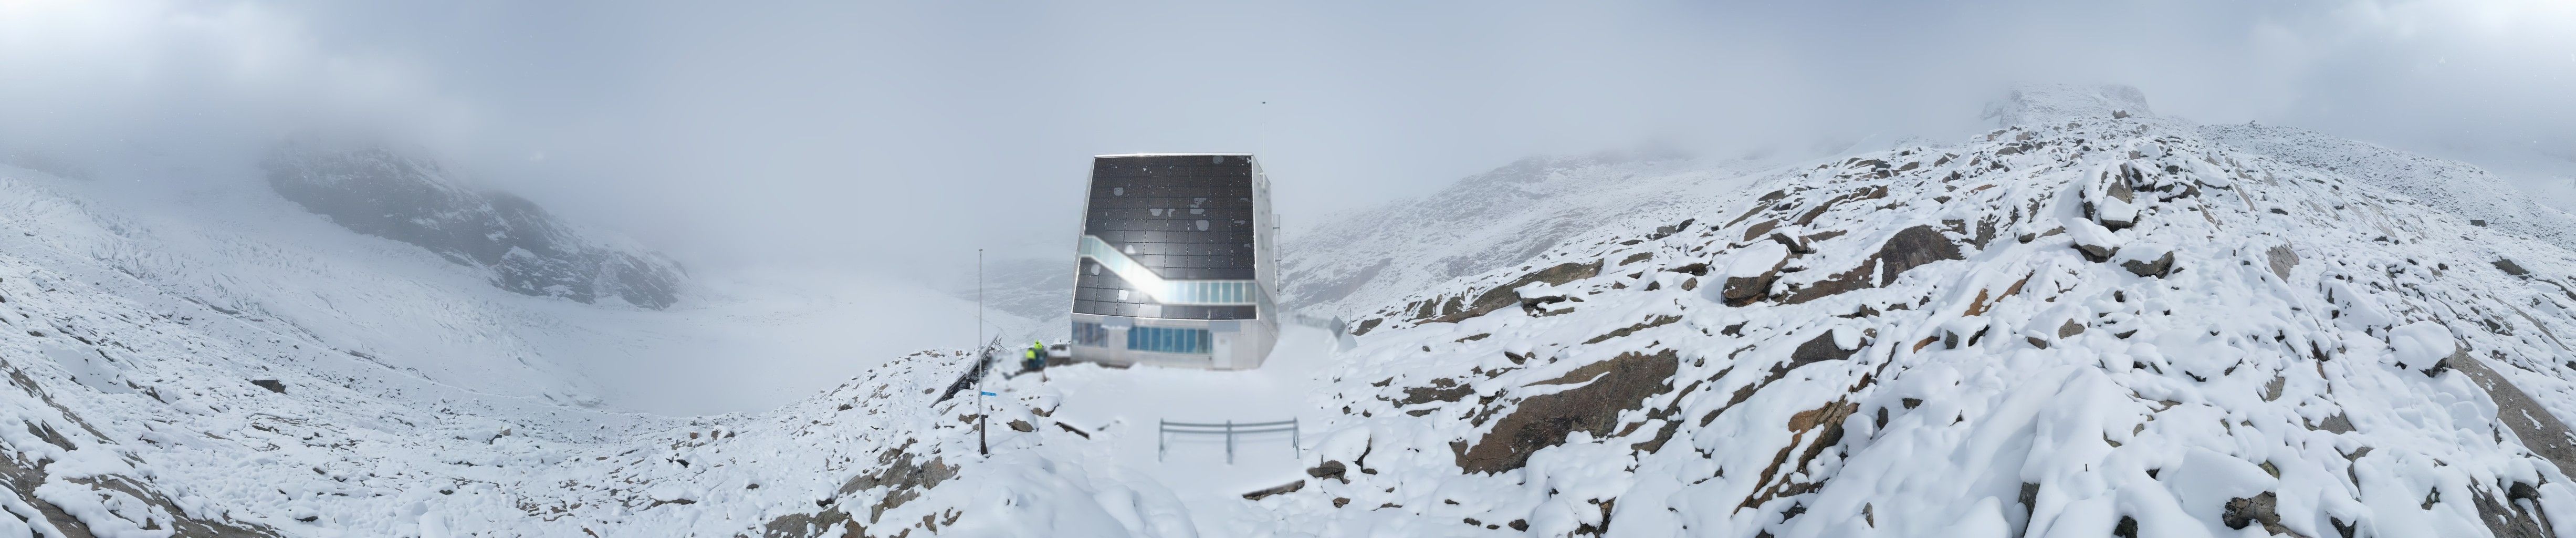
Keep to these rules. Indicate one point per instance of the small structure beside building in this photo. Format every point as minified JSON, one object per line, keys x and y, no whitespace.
{"x":1173,"y":267}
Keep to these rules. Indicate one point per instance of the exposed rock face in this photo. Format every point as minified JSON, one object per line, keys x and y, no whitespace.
{"x":385,"y":194}
{"x":1544,"y":421}
{"x":2262,"y":287}
{"x":2510,"y":268}
{"x":1909,"y":248}
{"x":907,"y":478}
{"x":26,"y":468}
{"x":1505,"y":295}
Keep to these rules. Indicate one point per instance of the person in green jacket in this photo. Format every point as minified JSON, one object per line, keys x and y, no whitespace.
{"x":1034,"y":358}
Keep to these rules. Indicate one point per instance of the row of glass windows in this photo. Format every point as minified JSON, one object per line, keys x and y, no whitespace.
{"x":1204,"y":292}
{"x":1227,"y":251}
{"x":1168,"y":340}
{"x":1090,"y":334}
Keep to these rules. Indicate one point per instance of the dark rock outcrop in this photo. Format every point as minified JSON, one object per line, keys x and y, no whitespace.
{"x":2158,"y":268}
{"x":2511,"y":268}
{"x":1505,"y":295}
{"x":1908,"y":249}
{"x":525,"y":250}
{"x":1330,"y":469}
{"x":1915,"y":247}
{"x":1545,"y":420}
{"x":1290,"y":487}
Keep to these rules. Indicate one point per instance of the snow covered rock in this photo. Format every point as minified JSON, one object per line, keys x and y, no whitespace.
{"x":2187,"y":339}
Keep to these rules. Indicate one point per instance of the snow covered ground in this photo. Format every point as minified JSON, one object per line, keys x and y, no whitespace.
{"x":2096,"y":322}
{"x":237,"y":247}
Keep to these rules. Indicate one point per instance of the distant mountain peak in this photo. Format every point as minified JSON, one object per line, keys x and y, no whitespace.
{"x":374,"y":190}
{"x":2026,"y":104}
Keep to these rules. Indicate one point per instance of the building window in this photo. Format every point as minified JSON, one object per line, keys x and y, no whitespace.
{"x":1168,"y":340}
{"x":1090,"y":334}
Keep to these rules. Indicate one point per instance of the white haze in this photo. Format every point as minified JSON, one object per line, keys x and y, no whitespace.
{"x":895,"y":139}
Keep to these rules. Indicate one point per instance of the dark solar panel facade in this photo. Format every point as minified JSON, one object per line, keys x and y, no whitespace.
{"x":1187,"y":217}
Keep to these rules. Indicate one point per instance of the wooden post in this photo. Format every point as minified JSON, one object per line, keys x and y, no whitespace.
{"x":1229,"y":442}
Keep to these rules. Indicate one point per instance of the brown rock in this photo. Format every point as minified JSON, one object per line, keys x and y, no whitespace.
{"x":2242,"y":511}
{"x":1502,"y":296}
{"x":1545,"y":420}
{"x":1330,"y":469}
{"x":1915,"y":247}
{"x":2159,"y":268}
{"x":1275,"y":490}
{"x":1815,"y":350}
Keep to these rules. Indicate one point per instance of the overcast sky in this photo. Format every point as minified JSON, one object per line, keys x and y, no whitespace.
{"x":847,"y":134}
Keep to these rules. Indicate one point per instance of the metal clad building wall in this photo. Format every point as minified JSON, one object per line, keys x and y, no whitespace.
{"x":1187,"y":217}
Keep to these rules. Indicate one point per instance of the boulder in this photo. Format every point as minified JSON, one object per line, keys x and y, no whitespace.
{"x":2511,"y":268}
{"x":2158,"y":267}
{"x":2281,"y":259}
{"x":1915,"y":247}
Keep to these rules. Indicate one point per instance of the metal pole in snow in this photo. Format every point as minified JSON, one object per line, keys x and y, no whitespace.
{"x":983,"y":413}
{"x":1229,"y":442}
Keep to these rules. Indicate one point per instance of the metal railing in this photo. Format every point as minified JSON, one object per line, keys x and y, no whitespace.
{"x":1229,"y":429}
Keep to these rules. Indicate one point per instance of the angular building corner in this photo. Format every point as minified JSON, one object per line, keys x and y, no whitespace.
{"x":1173,"y":267}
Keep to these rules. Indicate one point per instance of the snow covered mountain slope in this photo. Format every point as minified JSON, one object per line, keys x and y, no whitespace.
{"x":220,"y":363}
{"x":2458,"y":188}
{"x":368,"y":299}
{"x":2092,"y":326}
{"x":2060,"y":329}
{"x":2084,"y":326}
{"x":137,"y":411}
{"x":242,"y":249}
{"x":1495,"y":219}
{"x":379,"y":192}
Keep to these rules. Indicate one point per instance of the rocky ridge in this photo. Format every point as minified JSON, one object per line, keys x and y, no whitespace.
{"x":379,"y":192}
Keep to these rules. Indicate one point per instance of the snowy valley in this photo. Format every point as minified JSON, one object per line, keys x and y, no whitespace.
{"x":2093,"y":321}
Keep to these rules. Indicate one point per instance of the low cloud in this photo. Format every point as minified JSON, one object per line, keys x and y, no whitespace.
{"x":900,"y":137}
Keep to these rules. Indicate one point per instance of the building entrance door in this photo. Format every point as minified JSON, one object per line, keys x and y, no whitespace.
{"x":1221,"y":351}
